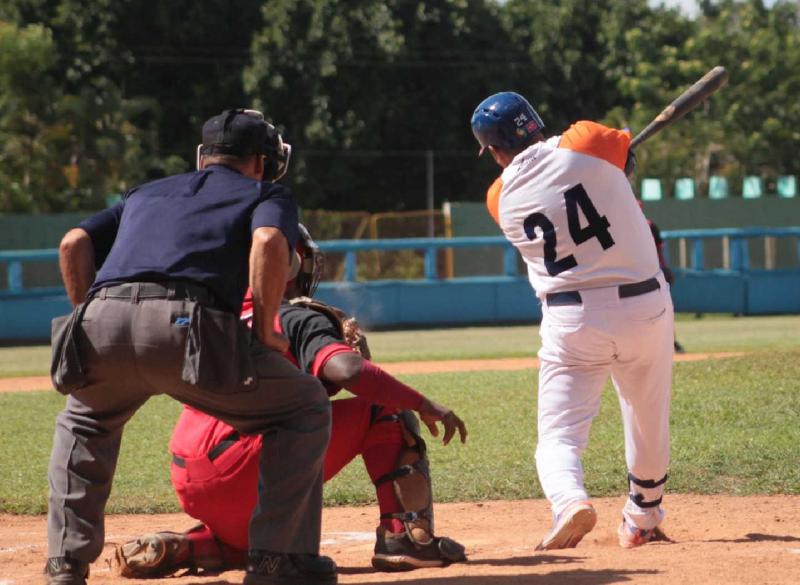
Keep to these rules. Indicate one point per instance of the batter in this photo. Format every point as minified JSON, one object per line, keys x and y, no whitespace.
{"x":566,"y":204}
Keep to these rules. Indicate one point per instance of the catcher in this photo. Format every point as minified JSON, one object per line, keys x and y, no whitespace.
{"x":215,"y":469}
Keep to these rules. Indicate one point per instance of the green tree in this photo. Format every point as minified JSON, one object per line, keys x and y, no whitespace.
{"x":69,"y":136}
{"x":188,"y":57}
{"x":663,"y":67}
{"x":751,"y":125}
{"x":364,"y":88}
{"x":27,"y":55}
{"x":757,"y":116}
{"x":95,"y":97}
{"x":563,"y":45}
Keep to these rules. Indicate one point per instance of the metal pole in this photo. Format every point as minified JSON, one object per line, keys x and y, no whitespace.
{"x":769,"y":252}
{"x":429,"y":193}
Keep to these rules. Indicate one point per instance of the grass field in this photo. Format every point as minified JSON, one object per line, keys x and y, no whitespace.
{"x":709,"y":333}
{"x":735,"y":424}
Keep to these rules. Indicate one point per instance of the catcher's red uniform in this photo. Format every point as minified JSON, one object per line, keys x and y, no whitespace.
{"x":215,"y":470}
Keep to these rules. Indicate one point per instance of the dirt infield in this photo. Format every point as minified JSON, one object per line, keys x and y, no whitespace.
{"x":34,"y":383}
{"x":719,"y":541}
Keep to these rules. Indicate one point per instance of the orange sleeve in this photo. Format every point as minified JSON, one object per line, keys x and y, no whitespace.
{"x":599,"y":141}
{"x":493,"y":199}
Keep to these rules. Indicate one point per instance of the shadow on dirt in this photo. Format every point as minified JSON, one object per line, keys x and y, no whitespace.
{"x":576,"y":577}
{"x":527,"y":561}
{"x":757,"y":537}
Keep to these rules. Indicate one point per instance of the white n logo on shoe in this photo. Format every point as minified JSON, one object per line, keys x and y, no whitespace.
{"x":269,"y":564}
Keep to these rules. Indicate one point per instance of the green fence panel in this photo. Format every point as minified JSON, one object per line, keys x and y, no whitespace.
{"x":36,"y":232}
{"x":684,"y":188}
{"x":112,"y":200}
{"x":473,"y":219}
{"x":718,"y":188}
{"x":752,"y":187}
{"x":651,"y":189}
{"x":787,"y":186}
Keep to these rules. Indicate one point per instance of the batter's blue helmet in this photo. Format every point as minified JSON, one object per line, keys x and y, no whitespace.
{"x":505,"y":120}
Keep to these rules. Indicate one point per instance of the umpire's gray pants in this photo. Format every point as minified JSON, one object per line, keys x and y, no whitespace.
{"x":132,"y":351}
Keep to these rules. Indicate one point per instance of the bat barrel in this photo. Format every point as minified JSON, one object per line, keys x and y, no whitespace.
{"x":687,"y":101}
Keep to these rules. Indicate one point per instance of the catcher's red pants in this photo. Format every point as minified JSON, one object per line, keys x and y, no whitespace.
{"x":221,"y":492}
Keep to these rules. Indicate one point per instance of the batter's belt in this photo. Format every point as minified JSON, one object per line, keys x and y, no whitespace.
{"x":573,"y":297}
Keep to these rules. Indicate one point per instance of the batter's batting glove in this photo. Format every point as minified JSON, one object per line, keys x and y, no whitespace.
{"x":430,"y":413}
{"x":630,"y":163}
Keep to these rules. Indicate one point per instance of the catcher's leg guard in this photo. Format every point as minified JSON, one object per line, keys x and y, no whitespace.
{"x":412,"y":484}
{"x":162,"y":554}
{"x":412,"y":481}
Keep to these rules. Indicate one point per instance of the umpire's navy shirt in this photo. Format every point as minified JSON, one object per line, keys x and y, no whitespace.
{"x":195,"y":226}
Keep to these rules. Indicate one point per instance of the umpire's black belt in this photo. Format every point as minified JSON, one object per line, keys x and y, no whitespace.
{"x":173,"y":290}
{"x":573,"y":297}
{"x":215,"y":451}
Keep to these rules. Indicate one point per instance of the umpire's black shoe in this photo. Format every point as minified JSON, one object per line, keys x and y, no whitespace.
{"x":63,"y":571}
{"x":267,"y":568}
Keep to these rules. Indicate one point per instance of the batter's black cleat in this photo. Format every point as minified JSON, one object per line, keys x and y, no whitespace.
{"x":397,"y":552}
{"x":64,"y":571}
{"x":268,"y":568}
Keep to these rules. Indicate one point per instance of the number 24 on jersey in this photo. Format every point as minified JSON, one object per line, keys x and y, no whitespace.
{"x":597,"y":227}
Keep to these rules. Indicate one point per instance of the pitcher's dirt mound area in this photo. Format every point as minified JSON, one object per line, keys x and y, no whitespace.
{"x":718,"y":541}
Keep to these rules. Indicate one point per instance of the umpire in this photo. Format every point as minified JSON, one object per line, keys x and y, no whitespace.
{"x":160,"y":316}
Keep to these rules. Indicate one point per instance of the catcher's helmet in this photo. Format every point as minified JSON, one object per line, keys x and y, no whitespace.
{"x":311,"y":263}
{"x":505,"y":120}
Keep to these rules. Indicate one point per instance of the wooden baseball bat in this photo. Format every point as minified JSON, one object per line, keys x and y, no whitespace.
{"x":687,"y":101}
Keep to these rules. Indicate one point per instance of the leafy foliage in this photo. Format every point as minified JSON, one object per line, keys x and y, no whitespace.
{"x":96,"y":97}
{"x":68,"y":136}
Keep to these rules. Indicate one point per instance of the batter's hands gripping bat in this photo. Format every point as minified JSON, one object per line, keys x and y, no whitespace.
{"x":687,"y":101}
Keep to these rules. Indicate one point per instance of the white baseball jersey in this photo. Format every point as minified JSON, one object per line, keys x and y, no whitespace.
{"x":567,"y":206}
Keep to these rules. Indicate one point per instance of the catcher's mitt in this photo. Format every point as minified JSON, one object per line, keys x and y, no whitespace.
{"x":153,"y":555}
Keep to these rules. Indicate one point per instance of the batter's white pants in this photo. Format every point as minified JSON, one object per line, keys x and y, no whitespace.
{"x":630,"y":339}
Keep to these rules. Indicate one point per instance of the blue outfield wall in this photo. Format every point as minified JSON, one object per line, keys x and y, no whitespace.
{"x":381,"y":304}
{"x":463,"y":301}
{"x":28,"y":318}
{"x":459,"y":301}
{"x":25,"y":313}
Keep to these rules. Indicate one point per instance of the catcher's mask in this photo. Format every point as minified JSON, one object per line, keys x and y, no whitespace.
{"x":243,"y":132}
{"x":310,"y":262}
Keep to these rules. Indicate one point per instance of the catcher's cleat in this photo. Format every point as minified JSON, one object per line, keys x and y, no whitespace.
{"x":570,"y":527}
{"x":631,"y":537}
{"x":63,"y":571}
{"x":154,"y":555}
{"x":397,"y":552}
